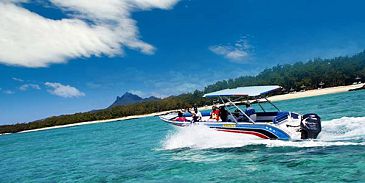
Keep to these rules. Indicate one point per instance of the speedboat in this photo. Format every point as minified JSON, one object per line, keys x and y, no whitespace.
{"x":256,"y":121}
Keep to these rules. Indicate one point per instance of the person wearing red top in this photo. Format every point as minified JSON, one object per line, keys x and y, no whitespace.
{"x":215,"y":114}
{"x":180,"y":117}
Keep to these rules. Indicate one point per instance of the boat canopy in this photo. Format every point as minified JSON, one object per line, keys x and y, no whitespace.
{"x":251,"y":91}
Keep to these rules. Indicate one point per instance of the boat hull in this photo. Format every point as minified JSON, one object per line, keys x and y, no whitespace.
{"x":260,"y":130}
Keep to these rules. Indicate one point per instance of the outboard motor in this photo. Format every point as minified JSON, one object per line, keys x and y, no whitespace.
{"x":310,"y":126}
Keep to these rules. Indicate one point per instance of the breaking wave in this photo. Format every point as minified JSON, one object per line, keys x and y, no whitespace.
{"x":336,"y":132}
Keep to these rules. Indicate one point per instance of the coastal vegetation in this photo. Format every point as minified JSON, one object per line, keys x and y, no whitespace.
{"x":309,"y":75}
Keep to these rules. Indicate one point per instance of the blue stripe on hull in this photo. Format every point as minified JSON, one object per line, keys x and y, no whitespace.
{"x":268,"y":130}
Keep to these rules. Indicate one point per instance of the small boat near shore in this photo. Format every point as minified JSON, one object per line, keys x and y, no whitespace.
{"x":360,"y":88}
{"x":234,"y":118}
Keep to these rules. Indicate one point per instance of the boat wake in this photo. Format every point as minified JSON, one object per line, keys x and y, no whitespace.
{"x":338,"y":132}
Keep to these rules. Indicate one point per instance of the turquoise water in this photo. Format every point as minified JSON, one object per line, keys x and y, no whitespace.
{"x":148,"y":150}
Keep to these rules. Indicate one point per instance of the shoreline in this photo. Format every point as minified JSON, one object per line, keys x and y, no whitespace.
{"x":289,"y":96}
{"x":315,"y":92}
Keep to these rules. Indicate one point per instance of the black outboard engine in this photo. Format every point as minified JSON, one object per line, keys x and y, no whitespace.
{"x":310,"y":126}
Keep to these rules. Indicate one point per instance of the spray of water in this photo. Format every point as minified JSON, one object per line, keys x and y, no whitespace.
{"x":337,"y":132}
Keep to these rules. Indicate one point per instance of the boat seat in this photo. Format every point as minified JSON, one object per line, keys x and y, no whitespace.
{"x":266,"y":113}
{"x":265,"y":116}
{"x":281,"y":116}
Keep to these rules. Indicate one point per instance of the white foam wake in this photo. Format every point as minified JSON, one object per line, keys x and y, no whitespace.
{"x":337,"y":132}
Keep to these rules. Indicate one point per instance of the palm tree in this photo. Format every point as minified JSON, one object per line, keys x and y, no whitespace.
{"x":291,"y":90}
{"x":302,"y":87}
{"x":358,"y":80}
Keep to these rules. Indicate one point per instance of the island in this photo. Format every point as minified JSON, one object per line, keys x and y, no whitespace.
{"x":301,"y":79}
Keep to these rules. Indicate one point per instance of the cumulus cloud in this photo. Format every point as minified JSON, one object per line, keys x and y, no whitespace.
{"x":25,"y":87}
{"x":61,"y":90}
{"x":239,"y":52}
{"x":95,"y":28}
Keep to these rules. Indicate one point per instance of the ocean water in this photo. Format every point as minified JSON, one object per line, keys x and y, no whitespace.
{"x":148,"y":150}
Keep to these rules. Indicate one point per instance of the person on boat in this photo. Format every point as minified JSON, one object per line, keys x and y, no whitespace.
{"x":239,"y":116}
{"x":223,"y":113}
{"x":180,"y":117}
{"x":215,"y":114}
{"x":196,"y":114}
{"x":250,"y":111}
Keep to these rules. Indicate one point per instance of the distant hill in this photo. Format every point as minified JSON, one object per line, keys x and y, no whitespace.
{"x":130,"y":98}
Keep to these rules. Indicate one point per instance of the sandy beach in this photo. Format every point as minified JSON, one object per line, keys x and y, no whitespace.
{"x":296,"y":95}
{"x":316,"y":92}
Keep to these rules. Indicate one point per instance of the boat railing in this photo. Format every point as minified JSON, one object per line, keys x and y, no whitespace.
{"x":239,"y":109}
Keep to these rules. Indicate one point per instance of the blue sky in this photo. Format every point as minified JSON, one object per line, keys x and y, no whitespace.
{"x":60,"y":57}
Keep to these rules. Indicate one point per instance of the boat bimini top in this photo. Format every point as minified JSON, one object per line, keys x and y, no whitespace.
{"x":249,"y":91}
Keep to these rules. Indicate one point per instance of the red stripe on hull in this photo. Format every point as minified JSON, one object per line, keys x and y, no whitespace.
{"x":245,"y":132}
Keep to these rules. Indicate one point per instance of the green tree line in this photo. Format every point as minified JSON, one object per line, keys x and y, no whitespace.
{"x":332,"y":72}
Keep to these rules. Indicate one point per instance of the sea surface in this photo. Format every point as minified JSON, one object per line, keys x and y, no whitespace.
{"x":148,"y":150}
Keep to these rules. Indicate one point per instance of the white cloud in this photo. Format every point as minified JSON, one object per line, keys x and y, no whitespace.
{"x":25,"y":87}
{"x":17,"y":79}
{"x":99,"y":27}
{"x":9,"y":92}
{"x":65,"y":91}
{"x":238,"y":53}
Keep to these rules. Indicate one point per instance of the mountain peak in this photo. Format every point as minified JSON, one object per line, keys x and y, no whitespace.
{"x":130,"y":95}
{"x":130,"y":98}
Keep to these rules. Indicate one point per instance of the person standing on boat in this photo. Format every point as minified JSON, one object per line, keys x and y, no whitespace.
{"x":215,"y":113}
